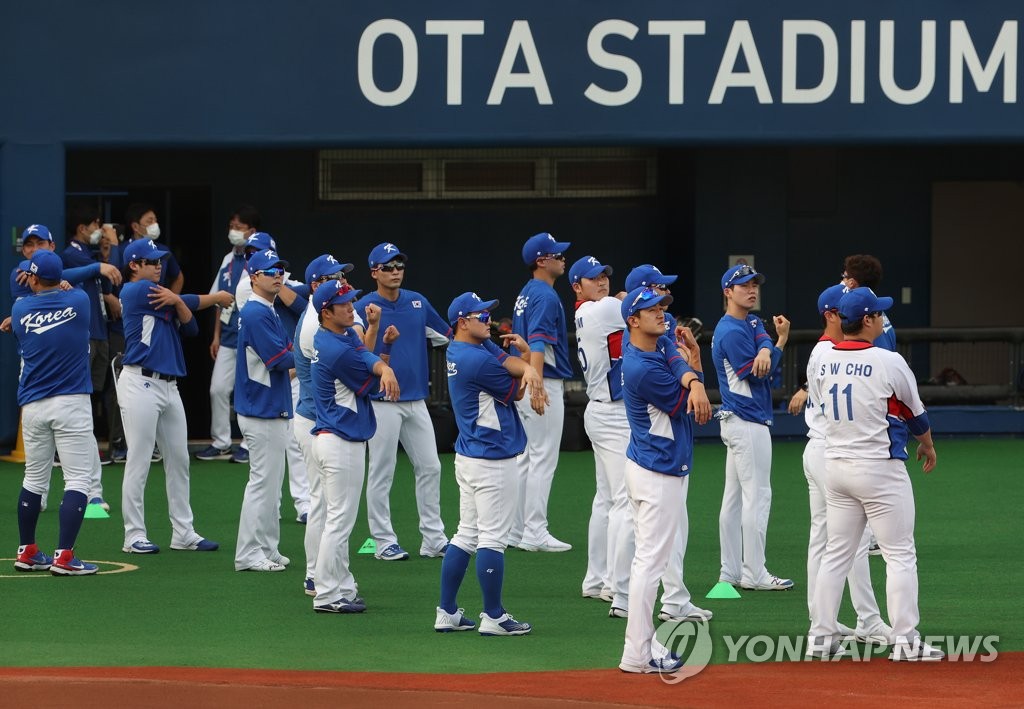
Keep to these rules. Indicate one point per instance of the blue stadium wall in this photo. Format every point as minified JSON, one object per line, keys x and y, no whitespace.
{"x":751,"y":106}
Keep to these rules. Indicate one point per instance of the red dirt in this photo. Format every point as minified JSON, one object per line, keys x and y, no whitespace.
{"x":934,"y":685}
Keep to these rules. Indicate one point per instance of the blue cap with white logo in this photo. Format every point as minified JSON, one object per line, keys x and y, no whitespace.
{"x":45,"y":264}
{"x":325,"y":265}
{"x":38,"y":231}
{"x":740,"y":273}
{"x":542,"y":244}
{"x":829,"y":298}
{"x":642,"y":298}
{"x":384,"y":253}
{"x":262,"y":260}
{"x":647,"y":275}
{"x":859,"y":302}
{"x":260,"y":241}
{"x":468,"y":303}
{"x":587,"y":267}
{"x":143,"y":249}
{"x":333,"y":292}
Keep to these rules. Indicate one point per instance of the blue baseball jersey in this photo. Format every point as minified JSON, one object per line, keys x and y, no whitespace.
{"x":733,"y":348}
{"x":77,"y":255}
{"x":74,"y":276}
{"x":415,"y":319}
{"x":483,"y":396}
{"x":52,"y":328}
{"x":262,"y":384}
{"x":151,"y":335}
{"x":660,"y":431}
{"x":227,"y":280}
{"x":539,"y":318}
{"x":887,"y":340}
{"x":301,"y":352}
{"x":343,"y":380}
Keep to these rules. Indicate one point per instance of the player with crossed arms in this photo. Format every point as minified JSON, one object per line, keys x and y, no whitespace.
{"x":871,"y":405}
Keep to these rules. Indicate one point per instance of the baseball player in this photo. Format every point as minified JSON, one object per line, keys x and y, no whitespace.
{"x":405,"y":420}
{"x":263,"y":403}
{"x":141,"y":220}
{"x":223,"y":348}
{"x":660,"y":391}
{"x":52,"y":328}
{"x":483,"y":381}
{"x":539,"y":318}
{"x":871,"y":406}
{"x":289,"y":305}
{"x":864,"y":270}
{"x":154,"y":318}
{"x":870,"y":626}
{"x":745,"y":359}
{"x":343,"y":372}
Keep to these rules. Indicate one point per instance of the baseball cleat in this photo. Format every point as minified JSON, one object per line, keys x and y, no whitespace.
{"x":880,"y":635}
{"x":31,"y":559}
{"x":308,"y":587}
{"x":669,"y":663}
{"x":605,"y":594}
{"x":817,"y":650}
{"x":214,"y":453}
{"x":773,"y":583}
{"x":240,"y":456}
{"x":917,"y":651}
{"x":694,"y":614}
{"x":101,"y":502}
{"x":201,"y":545}
{"x":614,"y":612}
{"x":446,"y":622}
{"x":66,"y":564}
{"x":505,"y":624}
{"x":392,"y":552}
{"x":342,"y":605}
{"x":436,"y":554}
{"x":142,"y":546}
{"x":550,"y":544}
{"x":264,"y":565}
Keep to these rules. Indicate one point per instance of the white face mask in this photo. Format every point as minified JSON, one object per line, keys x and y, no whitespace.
{"x":237,"y":238}
{"x":153,"y":231}
{"x":94,"y":238}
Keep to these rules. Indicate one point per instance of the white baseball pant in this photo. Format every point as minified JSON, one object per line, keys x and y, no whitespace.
{"x":259,"y":528}
{"x":342,"y":468}
{"x":746,"y":501}
{"x":658,"y":503}
{"x":407,"y":422}
{"x":537,"y":465}
{"x":301,"y":427}
{"x":610,"y":532}
{"x":862,"y":595}
{"x":222,"y":384}
{"x":486,"y":502}
{"x":153,"y":413}
{"x":62,"y":424}
{"x":858,"y":492}
{"x":298,"y":478}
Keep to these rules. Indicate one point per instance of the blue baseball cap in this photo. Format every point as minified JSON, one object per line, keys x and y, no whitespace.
{"x":261,"y":241}
{"x":740,"y":273}
{"x":642,"y":298}
{"x":468,"y":303}
{"x":542,"y":244}
{"x":587,"y":267}
{"x":38,"y":231}
{"x":385,"y":253}
{"x":267,"y":258}
{"x":325,"y":265}
{"x":829,"y":298}
{"x":143,"y":248}
{"x":859,"y":302}
{"x":45,"y":264}
{"x":647,"y":275}
{"x":333,"y":292}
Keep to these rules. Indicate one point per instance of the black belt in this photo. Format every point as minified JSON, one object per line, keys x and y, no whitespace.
{"x":157,"y":375}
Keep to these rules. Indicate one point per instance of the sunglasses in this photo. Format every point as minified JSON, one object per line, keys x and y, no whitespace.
{"x":149,"y":261}
{"x":333,"y":277}
{"x":484,"y":316}
{"x":389,"y":267}
{"x":556,"y":257}
{"x":741,"y":272}
{"x":643,"y":296}
{"x":271,"y":272}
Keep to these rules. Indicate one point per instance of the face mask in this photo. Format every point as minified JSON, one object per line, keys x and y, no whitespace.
{"x":237,"y":238}
{"x":153,"y":231}
{"x":94,"y":238}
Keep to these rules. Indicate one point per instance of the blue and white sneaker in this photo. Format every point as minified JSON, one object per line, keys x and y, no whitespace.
{"x":201,"y":545}
{"x":65,"y":563}
{"x":342,"y":605}
{"x":157,"y":455}
{"x":31,"y":559}
{"x":446,"y":622}
{"x":392,"y":552}
{"x":503,"y":625}
{"x":142,"y":546}
{"x":309,"y":587}
{"x":303,"y":518}
{"x":661,"y":665}
{"x":214,"y":453}
{"x":240,"y":456}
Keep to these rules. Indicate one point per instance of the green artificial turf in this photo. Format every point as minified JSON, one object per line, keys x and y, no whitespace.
{"x":192,"y":609}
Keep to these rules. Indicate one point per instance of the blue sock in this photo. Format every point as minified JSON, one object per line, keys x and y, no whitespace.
{"x":453,"y":570}
{"x":29,"y":504}
{"x":490,"y":572}
{"x":72,"y":512}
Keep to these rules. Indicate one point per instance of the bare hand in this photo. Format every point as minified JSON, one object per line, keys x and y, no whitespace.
{"x":517,"y":341}
{"x":781,"y":326}
{"x":65,"y":286}
{"x":22,"y":278}
{"x":686,"y":338}
{"x":698,"y":404}
{"x":113,"y":307}
{"x":160,"y":296}
{"x":762,"y":363}
{"x":391,"y":333}
{"x":538,"y":395}
{"x":5,"y":326}
{"x":109,"y":235}
{"x":389,"y":384}
{"x":798,"y":402}
{"x":928,"y":453}
{"x":224,"y":298}
{"x":214,"y":348}
{"x":111,"y":273}
{"x":372,"y":314}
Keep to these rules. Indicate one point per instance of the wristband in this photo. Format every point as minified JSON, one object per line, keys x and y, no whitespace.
{"x":385,"y":348}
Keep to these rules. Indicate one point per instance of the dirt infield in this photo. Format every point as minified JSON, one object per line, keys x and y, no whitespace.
{"x":944,"y":684}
